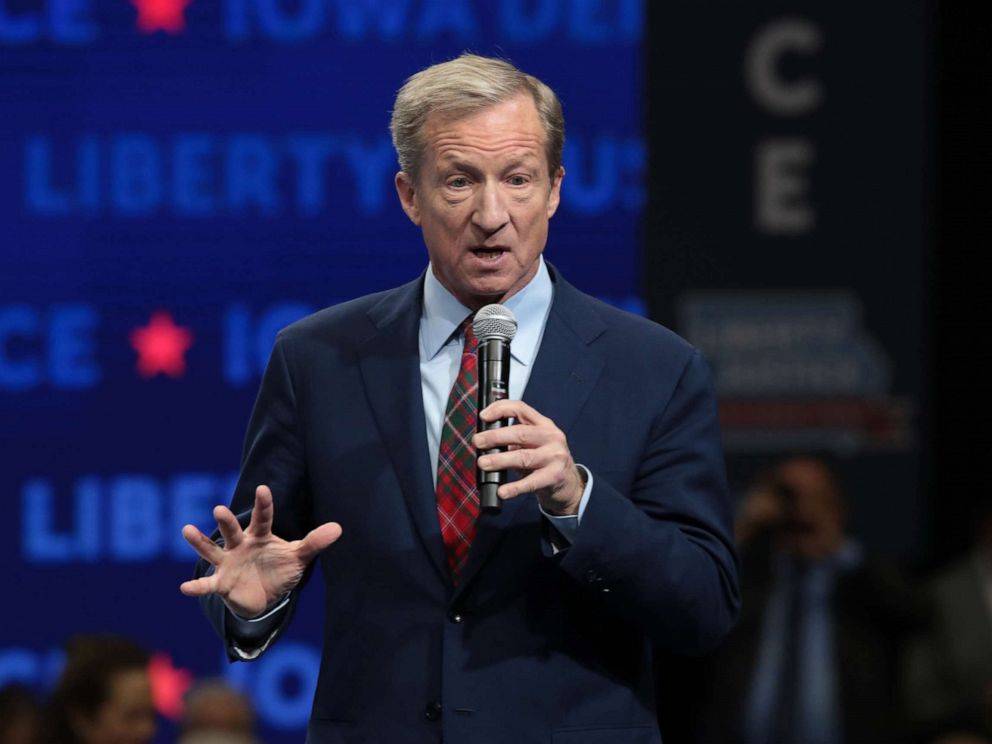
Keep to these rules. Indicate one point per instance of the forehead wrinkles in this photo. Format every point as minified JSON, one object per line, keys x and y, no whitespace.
{"x":451,"y":146}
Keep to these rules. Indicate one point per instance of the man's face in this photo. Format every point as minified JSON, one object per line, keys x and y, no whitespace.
{"x":483,"y":198}
{"x":815,"y":515}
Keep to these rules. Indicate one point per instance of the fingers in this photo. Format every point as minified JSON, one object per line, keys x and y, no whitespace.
{"x":549,"y":469}
{"x":206,"y":548}
{"x":517,"y":409}
{"x":260,"y":525}
{"x":199,"y":587}
{"x":520,"y":435}
{"x":229,"y":527}
{"x":533,"y":445}
{"x":263,"y":512}
{"x":317,"y":540}
{"x":559,"y":492}
{"x":544,"y":471}
{"x":536,"y":447}
{"x":518,"y":459}
{"x":531,"y":484}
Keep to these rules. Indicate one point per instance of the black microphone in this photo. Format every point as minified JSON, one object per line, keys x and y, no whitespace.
{"x":495,"y":327}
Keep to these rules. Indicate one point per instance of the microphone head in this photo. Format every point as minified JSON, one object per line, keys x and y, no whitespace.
{"x":494,"y":321}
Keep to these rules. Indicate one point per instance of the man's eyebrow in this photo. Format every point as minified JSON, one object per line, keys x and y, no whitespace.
{"x":453,"y":161}
{"x":527,"y":159}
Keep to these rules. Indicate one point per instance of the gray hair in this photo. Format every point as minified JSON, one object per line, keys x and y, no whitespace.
{"x":461,"y":87}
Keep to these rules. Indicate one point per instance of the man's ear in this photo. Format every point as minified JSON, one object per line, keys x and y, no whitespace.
{"x":406,"y":191}
{"x":555,"y":196}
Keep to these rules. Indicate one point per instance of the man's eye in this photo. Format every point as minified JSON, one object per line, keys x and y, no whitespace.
{"x":518,"y":180}
{"x":459,"y":182}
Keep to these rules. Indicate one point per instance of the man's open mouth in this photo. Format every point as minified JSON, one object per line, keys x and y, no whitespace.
{"x":489,"y":253}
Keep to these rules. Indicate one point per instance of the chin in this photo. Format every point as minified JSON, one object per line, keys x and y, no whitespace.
{"x":488,"y":289}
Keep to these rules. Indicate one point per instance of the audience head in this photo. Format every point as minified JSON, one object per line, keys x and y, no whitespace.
{"x":216,"y":737}
{"x":104,"y":695}
{"x":216,"y":712}
{"x":982,"y":521}
{"x":801,"y":503}
{"x":19,"y":715}
{"x":961,"y":737}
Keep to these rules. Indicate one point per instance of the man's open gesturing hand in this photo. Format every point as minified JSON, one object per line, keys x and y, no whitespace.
{"x":254,"y":569}
{"x":539,"y":449}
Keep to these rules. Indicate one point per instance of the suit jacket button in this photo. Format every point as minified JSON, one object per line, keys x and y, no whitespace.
{"x":455,"y":617}
{"x":433,"y":711}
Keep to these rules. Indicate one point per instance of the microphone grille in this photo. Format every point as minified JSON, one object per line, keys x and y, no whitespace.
{"x":494,"y":321}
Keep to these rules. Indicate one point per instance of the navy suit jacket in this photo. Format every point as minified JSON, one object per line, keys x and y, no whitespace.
{"x":532,"y":645}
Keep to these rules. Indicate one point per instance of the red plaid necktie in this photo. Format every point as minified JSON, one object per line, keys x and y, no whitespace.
{"x":457,"y":494}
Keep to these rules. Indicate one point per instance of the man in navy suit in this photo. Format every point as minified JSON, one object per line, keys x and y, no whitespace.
{"x":546,"y":631}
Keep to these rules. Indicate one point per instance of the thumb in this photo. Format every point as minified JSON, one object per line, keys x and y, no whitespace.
{"x":317,"y":540}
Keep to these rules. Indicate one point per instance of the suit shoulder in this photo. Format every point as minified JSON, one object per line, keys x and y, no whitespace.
{"x":345,"y":321}
{"x":630,"y":332}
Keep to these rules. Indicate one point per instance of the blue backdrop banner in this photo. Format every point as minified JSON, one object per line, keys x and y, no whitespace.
{"x":178,"y":180}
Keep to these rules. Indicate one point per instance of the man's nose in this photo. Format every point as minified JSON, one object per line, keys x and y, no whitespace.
{"x":490,"y":209}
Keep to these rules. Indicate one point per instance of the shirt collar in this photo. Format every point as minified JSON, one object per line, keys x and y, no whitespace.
{"x":442,"y":314}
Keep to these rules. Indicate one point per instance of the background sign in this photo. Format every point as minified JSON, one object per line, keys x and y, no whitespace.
{"x":785,"y":235}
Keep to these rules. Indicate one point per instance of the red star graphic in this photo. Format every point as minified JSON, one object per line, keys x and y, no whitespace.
{"x":161,"y":346}
{"x":169,"y":684}
{"x":164,"y":15}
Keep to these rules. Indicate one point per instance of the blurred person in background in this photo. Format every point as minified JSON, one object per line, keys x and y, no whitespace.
{"x":815,"y":657}
{"x":949,"y":679}
{"x":216,"y":713}
{"x":215,"y":737}
{"x":19,"y":715}
{"x":104,"y":695}
{"x":961,"y":737}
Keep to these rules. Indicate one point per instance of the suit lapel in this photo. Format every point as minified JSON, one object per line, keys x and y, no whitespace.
{"x":565,"y":372}
{"x":566,"y":369}
{"x":390,"y":367}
